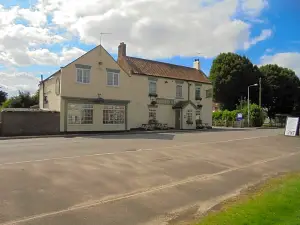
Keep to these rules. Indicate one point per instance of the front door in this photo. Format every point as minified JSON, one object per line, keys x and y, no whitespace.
{"x":177,"y":119}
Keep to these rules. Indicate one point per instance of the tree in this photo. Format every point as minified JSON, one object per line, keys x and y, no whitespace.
{"x":280,"y":92}
{"x":3,"y":97}
{"x":23,"y":100}
{"x":231,"y":74}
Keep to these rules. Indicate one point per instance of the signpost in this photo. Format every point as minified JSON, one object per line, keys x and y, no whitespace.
{"x":292,"y":126}
{"x":239,"y":117}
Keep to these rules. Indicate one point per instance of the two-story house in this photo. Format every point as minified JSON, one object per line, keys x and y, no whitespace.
{"x":96,"y":93}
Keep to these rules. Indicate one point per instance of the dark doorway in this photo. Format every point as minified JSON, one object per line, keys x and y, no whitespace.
{"x":177,"y":119}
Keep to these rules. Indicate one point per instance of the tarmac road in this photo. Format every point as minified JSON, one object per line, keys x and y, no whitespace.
{"x":133,"y":178}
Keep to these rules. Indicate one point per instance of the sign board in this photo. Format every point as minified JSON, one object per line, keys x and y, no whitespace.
{"x":292,"y":126}
{"x":239,"y":117}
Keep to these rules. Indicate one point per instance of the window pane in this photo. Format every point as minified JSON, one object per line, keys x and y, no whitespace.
{"x":114,"y":115}
{"x":79,"y":75}
{"x":86,"y":76}
{"x":152,"y":87}
{"x":189,"y":115}
{"x":152,"y":114}
{"x":80,"y":113}
{"x":110,"y":79}
{"x":116,"y":79}
{"x":198,"y":92}
{"x":179,"y":91}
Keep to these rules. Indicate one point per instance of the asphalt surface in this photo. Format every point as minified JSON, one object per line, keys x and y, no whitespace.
{"x":134,"y":179}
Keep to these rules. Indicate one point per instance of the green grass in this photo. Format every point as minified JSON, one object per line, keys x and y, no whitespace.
{"x":276,"y":203}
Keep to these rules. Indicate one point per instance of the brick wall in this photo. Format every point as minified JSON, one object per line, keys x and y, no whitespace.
{"x":15,"y":123}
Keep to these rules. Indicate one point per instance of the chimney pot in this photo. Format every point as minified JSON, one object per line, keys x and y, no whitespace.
{"x":197,"y":65}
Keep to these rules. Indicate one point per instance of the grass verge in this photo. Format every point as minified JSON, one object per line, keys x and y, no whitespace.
{"x":277,"y":202}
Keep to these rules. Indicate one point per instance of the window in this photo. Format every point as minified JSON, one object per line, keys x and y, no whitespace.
{"x":152,"y":87}
{"x":198,"y":93}
{"x":209,"y":93}
{"x":113,"y":114}
{"x":198,"y":114}
{"x":80,"y":113}
{"x":83,"y":75}
{"x":178,"y":91}
{"x":189,"y":115}
{"x":152,"y":114}
{"x":112,"y":79}
{"x":57,"y":87}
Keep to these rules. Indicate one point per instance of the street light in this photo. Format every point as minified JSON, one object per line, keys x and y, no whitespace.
{"x":253,"y":85}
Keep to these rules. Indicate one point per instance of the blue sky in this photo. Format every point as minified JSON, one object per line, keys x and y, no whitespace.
{"x":39,"y":39}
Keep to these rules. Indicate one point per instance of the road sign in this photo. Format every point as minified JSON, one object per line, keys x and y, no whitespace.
{"x":239,"y":117}
{"x":292,"y":126}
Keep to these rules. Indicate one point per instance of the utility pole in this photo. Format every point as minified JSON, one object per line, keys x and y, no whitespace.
{"x":260,"y":92}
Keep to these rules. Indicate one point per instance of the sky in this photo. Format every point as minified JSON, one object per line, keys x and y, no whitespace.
{"x":39,"y":36}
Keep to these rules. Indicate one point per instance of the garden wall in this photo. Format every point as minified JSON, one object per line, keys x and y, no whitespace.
{"x":18,"y":122}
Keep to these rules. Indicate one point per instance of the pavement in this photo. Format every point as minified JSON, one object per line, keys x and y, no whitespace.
{"x":134,"y":178}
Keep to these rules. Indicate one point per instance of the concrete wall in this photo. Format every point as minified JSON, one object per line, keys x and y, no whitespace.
{"x":52,"y":90}
{"x":29,"y":123}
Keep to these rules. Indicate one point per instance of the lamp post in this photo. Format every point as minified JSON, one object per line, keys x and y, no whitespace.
{"x":253,"y":85}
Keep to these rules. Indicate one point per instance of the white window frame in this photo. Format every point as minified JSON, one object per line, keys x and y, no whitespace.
{"x":114,"y":115}
{"x":85,"y":114}
{"x":152,"y":89}
{"x":115,"y":79}
{"x":189,"y":115}
{"x":83,"y":78}
{"x":152,"y":114}
{"x":179,"y":94}
{"x":197,"y":88}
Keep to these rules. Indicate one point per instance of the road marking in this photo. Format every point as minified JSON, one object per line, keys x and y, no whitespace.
{"x":145,"y":192}
{"x":127,"y":152}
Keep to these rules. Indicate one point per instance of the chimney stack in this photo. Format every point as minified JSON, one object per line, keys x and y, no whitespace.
{"x":122,"y":50}
{"x":197,"y":65}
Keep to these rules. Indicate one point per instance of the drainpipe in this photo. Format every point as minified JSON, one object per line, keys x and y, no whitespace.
{"x":188,"y":91}
{"x":43,"y":91}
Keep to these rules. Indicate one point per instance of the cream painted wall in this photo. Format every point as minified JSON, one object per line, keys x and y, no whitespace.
{"x":206,"y":111}
{"x":186,"y":126}
{"x":98,"y":79}
{"x":54,"y":100}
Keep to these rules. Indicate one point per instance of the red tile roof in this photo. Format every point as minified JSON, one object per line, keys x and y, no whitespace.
{"x":138,"y":66}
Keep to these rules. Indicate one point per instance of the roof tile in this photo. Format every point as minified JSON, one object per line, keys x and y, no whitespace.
{"x":139,"y":66}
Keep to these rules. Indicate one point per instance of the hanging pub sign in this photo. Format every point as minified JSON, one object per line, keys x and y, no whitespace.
{"x":292,"y":126}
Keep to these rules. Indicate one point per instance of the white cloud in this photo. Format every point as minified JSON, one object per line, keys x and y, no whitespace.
{"x":12,"y":82}
{"x":287,"y":59}
{"x":253,"y":7}
{"x":151,"y":28}
{"x":34,"y":17}
{"x":178,"y":27}
{"x":68,"y":55}
{"x":265,"y":34}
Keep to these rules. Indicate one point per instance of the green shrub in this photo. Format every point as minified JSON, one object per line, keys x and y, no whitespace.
{"x":217,"y":115}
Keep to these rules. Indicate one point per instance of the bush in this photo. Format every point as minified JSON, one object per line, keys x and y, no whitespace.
{"x":217,"y":115}
{"x":257,"y":116}
{"x":225,"y":118}
{"x":226,"y":115}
